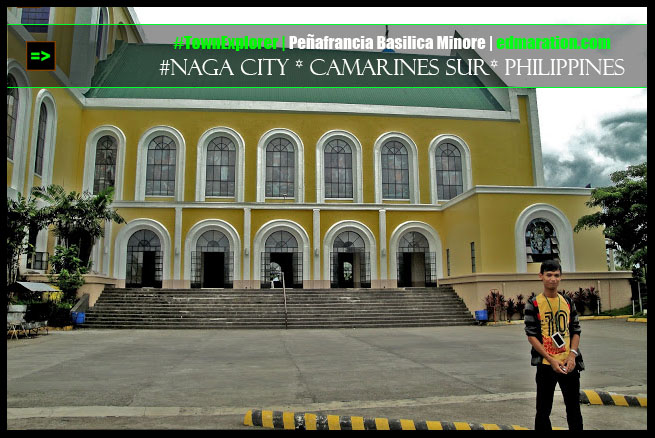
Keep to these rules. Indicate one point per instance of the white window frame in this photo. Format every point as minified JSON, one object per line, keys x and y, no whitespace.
{"x":90,"y":158}
{"x":465,"y":153}
{"x":123,"y":236}
{"x":412,"y":151}
{"x":356,"y":148}
{"x":299,"y":163}
{"x":142,"y":161}
{"x":563,"y":231}
{"x":46,"y":98}
{"x":201,"y":164}
{"x":22,"y":126}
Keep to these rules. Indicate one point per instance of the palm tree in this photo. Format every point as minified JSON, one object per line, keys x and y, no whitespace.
{"x":78,"y":219}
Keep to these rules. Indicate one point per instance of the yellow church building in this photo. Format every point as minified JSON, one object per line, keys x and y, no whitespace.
{"x":324,"y":188}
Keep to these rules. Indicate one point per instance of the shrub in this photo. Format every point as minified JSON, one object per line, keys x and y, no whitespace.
{"x":592,"y":299}
{"x":580,"y":299}
{"x":520,"y":305}
{"x":511,"y":308}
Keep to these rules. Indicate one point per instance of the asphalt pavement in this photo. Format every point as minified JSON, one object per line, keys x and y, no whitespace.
{"x":209,"y":379}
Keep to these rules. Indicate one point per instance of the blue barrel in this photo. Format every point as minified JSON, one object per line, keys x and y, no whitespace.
{"x":77,"y":317}
{"x":481,"y":315}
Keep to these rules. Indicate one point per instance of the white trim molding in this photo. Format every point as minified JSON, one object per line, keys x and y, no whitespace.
{"x":357,"y":172}
{"x":297,"y":231}
{"x":465,"y":153}
{"x":123,"y":236}
{"x":19,"y":157}
{"x":414,"y":196}
{"x":299,"y":162}
{"x":563,"y":232}
{"x":43,"y":97}
{"x":142,"y":160}
{"x":208,"y":225}
{"x":432,"y":236}
{"x":363,"y":231}
{"x":90,"y":158}
{"x":201,"y":163}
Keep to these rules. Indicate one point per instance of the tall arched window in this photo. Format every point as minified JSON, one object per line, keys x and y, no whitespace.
{"x":221,"y":162}
{"x":12,"y":114}
{"x":101,"y":21}
{"x":105,"y":163}
{"x":448,"y":161}
{"x":160,"y":171}
{"x":540,"y":241}
{"x":40,"y":139}
{"x":280,"y":168}
{"x":395,"y":170}
{"x":338,"y":161}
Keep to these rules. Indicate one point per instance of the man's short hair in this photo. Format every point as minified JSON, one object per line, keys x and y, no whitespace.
{"x":550,"y":266}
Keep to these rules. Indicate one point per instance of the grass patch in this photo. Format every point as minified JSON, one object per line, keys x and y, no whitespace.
{"x":627,"y":310}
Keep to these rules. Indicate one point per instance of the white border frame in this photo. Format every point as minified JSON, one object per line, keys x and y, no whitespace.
{"x":356,"y":148}
{"x":123,"y":236}
{"x":563,"y":230}
{"x":269,"y":228}
{"x":412,"y":150}
{"x":90,"y":158}
{"x":432,"y":236}
{"x":363,"y":231}
{"x":142,"y":159}
{"x":299,"y":162}
{"x":465,"y":153}
{"x":208,"y":225}
{"x":201,"y":163}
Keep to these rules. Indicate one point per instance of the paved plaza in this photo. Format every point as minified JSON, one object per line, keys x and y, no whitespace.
{"x":209,"y":379}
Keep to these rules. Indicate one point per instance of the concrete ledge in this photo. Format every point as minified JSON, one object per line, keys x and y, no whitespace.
{"x":308,"y":421}
{"x":605,"y":398}
{"x":637,"y":319}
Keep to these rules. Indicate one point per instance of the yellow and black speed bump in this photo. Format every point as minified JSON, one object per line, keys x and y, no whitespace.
{"x":592,"y":397}
{"x":307,"y":421}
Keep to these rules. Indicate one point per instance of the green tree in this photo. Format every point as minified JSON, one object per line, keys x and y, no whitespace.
{"x":23,"y":216}
{"x":78,"y":219}
{"x":69,"y":269}
{"x":622,"y":212}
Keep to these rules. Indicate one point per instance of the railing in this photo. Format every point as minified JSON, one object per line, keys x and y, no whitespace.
{"x":284,"y":292}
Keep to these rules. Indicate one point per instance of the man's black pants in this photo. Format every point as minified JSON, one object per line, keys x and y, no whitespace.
{"x":570,"y":386}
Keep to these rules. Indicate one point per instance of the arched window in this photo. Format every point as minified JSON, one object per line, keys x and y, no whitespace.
{"x":105,"y":164}
{"x":41,"y":139}
{"x":541,"y":241}
{"x":280,"y":168}
{"x":220,"y":172}
{"x":160,"y":171}
{"x":395,"y":170}
{"x":281,"y":241}
{"x":338,"y":160}
{"x":448,"y":162}
{"x":101,"y":21}
{"x":12,"y":114}
{"x":413,"y":241}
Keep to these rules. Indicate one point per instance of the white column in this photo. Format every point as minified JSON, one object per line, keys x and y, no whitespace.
{"x":383,"y":246}
{"x":246,"y":247}
{"x":316,"y":237}
{"x":177,"y":257}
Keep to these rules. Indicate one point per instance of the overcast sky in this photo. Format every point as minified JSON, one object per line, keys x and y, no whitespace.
{"x":586,"y":133}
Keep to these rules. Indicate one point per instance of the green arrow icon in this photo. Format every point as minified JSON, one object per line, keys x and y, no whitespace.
{"x":35,"y":56}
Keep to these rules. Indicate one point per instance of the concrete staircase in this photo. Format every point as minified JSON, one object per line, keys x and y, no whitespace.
{"x":306,"y":308}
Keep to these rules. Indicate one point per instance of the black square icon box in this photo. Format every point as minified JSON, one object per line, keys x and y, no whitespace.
{"x":40,"y":55}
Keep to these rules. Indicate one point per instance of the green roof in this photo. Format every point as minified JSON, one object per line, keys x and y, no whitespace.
{"x":138,"y":66}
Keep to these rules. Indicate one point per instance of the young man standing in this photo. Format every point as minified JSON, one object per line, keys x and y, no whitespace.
{"x":553,"y":329}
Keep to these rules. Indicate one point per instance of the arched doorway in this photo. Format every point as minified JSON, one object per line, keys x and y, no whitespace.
{"x":144,"y":260}
{"x":212,"y":261}
{"x":349,"y":262}
{"x":415,"y":263}
{"x":281,"y":253}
